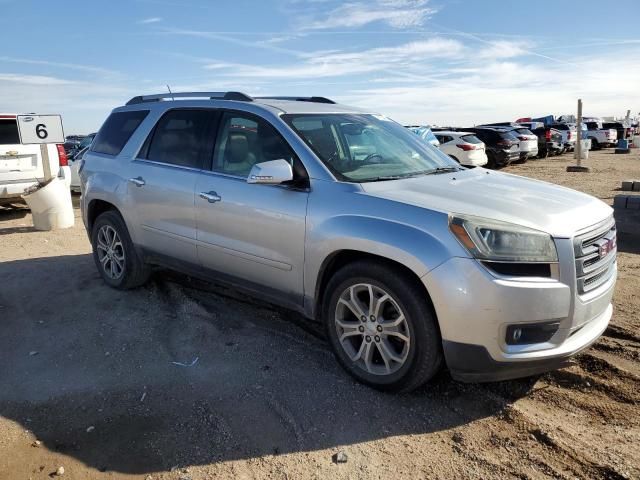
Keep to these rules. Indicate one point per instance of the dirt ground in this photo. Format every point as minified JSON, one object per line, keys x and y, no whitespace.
{"x":186,"y":380}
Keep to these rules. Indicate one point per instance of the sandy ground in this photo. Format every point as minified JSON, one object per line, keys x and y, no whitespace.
{"x":186,"y":380}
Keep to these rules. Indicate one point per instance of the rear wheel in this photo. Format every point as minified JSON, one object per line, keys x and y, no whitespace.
{"x":594,"y":144}
{"x":115,"y":256}
{"x":381,"y":327}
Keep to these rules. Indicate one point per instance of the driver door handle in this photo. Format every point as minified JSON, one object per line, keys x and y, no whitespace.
{"x":211,"y":197}
{"x":138,"y":181}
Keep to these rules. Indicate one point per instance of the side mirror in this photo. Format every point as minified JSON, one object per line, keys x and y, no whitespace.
{"x":273,"y":172}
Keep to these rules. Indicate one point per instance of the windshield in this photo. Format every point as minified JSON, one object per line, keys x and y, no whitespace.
{"x":367,"y":148}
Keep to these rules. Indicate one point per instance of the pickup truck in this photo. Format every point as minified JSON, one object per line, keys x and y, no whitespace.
{"x":601,"y":137}
{"x":22,"y":167}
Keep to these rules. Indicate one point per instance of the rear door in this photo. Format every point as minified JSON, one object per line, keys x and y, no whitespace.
{"x":163,"y":179}
{"x":18,"y":163}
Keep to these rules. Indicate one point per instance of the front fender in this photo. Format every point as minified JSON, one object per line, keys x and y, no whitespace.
{"x":415,"y":248}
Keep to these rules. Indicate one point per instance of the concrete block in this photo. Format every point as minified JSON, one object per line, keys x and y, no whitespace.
{"x":633,"y":202}
{"x":636,"y":186}
{"x":627,"y":185}
{"x":620,"y":201}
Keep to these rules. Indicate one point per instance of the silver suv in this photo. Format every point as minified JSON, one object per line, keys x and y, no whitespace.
{"x":410,"y":260}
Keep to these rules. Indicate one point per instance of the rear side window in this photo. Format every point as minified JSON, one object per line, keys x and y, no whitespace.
{"x":9,"y":132}
{"x":560,"y":126}
{"x":181,"y":137}
{"x":117,"y":131}
{"x":524,"y":131}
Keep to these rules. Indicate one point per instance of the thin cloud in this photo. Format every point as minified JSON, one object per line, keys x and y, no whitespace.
{"x":63,"y":65}
{"x":147,"y":21}
{"x":399,"y":14}
{"x":336,"y":64}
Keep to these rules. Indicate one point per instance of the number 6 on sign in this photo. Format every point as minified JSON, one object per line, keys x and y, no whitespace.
{"x":40,"y":129}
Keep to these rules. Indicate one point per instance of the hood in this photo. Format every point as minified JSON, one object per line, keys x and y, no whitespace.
{"x":556,"y":210}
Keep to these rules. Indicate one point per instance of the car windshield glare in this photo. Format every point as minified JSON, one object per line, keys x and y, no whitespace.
{"x":365,"y":148}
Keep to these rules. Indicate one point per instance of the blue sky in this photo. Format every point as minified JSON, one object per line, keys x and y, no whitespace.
{"x":418,"y":61}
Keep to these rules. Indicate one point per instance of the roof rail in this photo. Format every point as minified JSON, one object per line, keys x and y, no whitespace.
{"x":237,"y":96}
{"x":299,"y":99}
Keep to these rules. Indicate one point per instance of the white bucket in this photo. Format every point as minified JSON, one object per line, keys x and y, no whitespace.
{"x":586,"y":146}
{"x":51,"y":206}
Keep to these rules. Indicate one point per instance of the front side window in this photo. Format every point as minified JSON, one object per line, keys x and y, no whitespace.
{"x":245,"y":140}
{"x":117,"y":131}
{"x":366,"y":148}
{"x":180,"y":138}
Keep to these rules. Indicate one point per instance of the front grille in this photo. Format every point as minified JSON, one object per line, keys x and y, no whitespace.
{"x":595,"y":256}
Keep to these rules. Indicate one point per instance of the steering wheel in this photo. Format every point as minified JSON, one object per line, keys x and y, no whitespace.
{"x":369,"y":158}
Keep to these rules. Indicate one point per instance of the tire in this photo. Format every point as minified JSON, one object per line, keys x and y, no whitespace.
{"x":410,"y":361}
{"x":491,"y":161}
{"x":116,"y":258}
{"x":594,"y":144}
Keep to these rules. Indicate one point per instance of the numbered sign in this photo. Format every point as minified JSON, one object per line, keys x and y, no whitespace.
{"x":40,"y":129}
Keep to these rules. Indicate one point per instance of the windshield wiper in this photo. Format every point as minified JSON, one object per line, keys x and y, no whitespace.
{"x":438,"y":170}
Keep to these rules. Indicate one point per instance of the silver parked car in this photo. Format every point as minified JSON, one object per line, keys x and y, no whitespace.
{"x":410,"y":260}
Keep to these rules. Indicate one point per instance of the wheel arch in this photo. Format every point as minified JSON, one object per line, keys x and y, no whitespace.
{"x":95,"y":208}
{"x":339,"y":259}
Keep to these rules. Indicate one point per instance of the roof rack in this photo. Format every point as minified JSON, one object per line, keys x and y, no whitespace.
{"x":237,"y":96}
{"x":300,"y":99}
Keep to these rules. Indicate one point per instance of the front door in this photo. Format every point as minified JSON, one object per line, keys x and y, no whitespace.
{"x":254,"y":233}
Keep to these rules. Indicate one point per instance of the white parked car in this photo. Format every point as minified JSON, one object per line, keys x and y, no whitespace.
{"x":464,"y":147}
{"x":21,"y":166}
{"x":74,"y":165}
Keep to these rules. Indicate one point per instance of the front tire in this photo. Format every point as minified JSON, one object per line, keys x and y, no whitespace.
{"x":116,"y":258}
{"x":381,"y":326}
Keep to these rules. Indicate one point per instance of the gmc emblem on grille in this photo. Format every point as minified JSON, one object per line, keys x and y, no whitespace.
{"x":606,"y":247}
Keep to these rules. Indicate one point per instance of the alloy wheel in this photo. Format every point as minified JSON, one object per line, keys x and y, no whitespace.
{"x":110,"y":252}
{"x":372,"y":329}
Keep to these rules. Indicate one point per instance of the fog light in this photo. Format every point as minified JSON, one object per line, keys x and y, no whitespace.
{"x":517,"y":333}
{"x":525,"y":334}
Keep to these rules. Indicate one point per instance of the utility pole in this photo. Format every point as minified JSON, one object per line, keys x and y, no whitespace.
{"x":578,"y":167}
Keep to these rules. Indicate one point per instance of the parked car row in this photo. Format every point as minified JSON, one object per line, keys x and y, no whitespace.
{"x":527,"y":138}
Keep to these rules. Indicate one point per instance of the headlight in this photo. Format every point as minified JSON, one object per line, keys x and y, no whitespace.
{"x":502,"y":242}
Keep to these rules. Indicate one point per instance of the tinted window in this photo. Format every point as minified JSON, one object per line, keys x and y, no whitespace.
{"x":508,"y":136}
{"x":9,"y":132}
{"x":117,"y":131}
{"x":245,"y":140}
{"x":592,"y":125}
{"x":180,"y":138}
{"x":560,"y":126}
{"x":471,"y":139}
{"x":524,"y":131}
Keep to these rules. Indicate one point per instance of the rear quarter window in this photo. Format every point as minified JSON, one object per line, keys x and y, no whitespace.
{"x":117,"y":131}
{"x":9,"y":132}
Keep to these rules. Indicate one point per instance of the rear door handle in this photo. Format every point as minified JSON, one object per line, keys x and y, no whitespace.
{"x":138,"y":181}
{"x":211,"y":197}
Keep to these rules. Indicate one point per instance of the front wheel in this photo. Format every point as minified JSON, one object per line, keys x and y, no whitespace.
{"x":381,"y":326}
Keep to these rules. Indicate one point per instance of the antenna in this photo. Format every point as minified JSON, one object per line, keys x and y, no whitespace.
{"x":170,"y":92}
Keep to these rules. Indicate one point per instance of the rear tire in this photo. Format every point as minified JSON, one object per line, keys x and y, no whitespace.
{"x":594,"y":144}
{"x":381,"y":326}
{"x":115,"y":255}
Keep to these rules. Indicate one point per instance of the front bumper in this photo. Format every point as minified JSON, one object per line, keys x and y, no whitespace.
{"x":475,"y":307}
